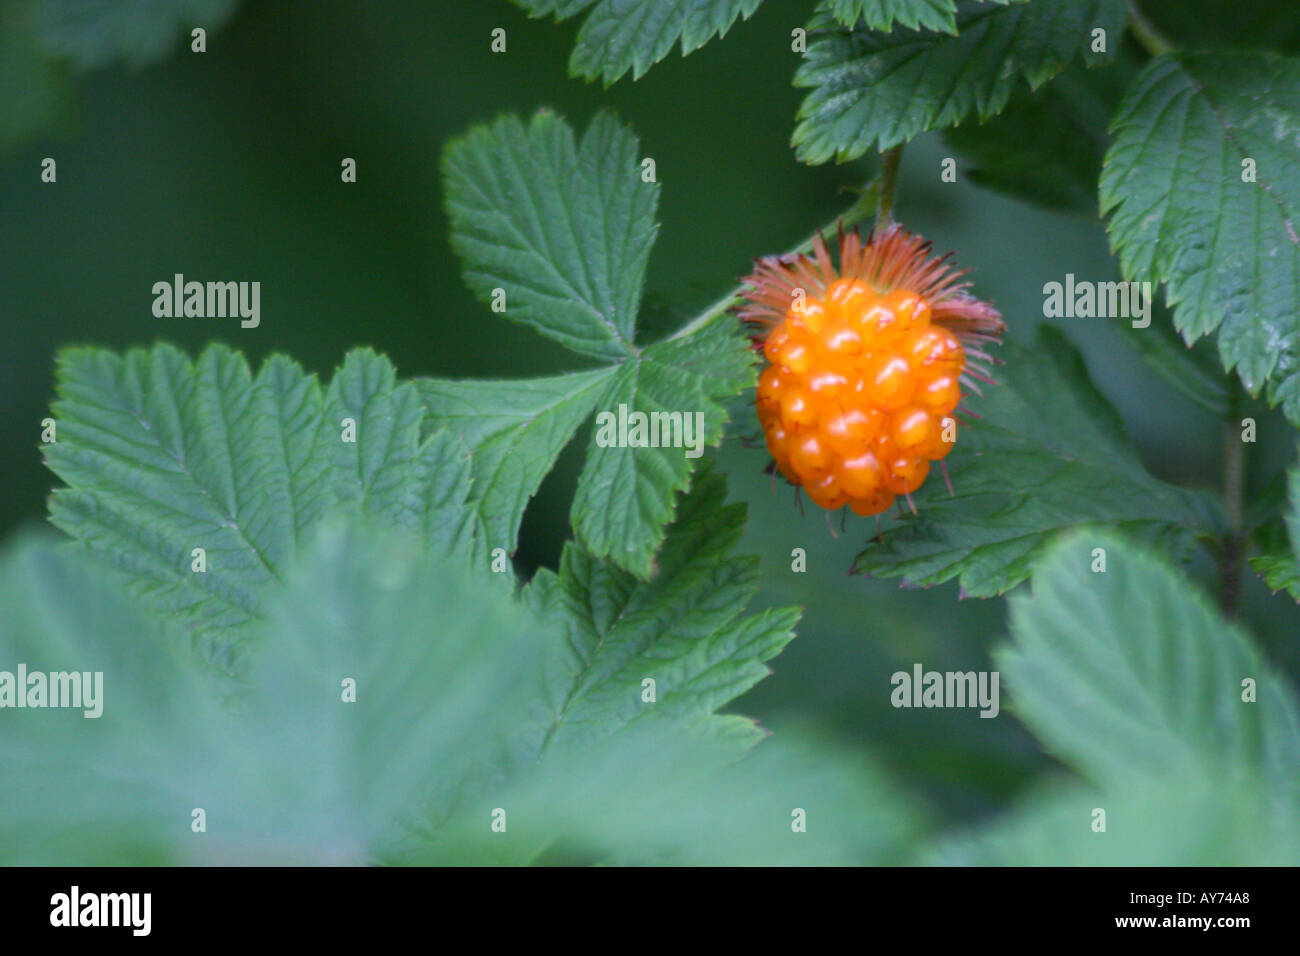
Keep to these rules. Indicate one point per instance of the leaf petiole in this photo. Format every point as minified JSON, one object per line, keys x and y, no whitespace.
{"x":863,"y":207}
{"x":1150,"y":39}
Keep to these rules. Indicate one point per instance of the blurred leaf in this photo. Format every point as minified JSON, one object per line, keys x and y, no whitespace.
{"x":683,"y":630}
{"x":96,"y":33}
{"x":284,"y":768}
{"x":1132,"y":678}
{"x":622,"y":35}
{"x":36,"y":92}
{"x":483,"y":715}
{"x":85,"y":790}
{"x":659,"y":799}
{"x":873,"y":89}
{"x":1131,"y":673}
{"x":854,"y":812}
{"x":437,"y":716}
{"x":161,"y":456}
{"x":1279,"y":543}
{"x":1021,"y":152}
{"x":1049,"y":453}
{"x":566,"y":231}
{"x":1188,"y":219}
{"x":1153,"y":822}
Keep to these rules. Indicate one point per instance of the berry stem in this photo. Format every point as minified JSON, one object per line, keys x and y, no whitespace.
{"x":1234,"y":472}
{"x":1151,"y":39}
{"x":861,"y":209}
{"x":887,"y":185}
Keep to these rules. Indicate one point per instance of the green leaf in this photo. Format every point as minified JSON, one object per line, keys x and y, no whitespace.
{"x":872,"y":89}
{"x":1279,"y":544}
{"x":651,"y":799}
{"x":532,"y":706}
{"x":447,"y":475}
{"x":1129,"y":676}
{"x":1020,"y":151}
{"x":84,"y":790}
{"x":379,"y":472}
{"x":96,"y":33}
{"x":563,"y":228}
{"x":565,"y":231}
{"x":512,"y":431}
{"x":447,"y":707}
{"x":685,"y":630}
{"x":626,"y":494}
{"x":1152,"y":822}
{"x":1129,"y":673}
{"x":1181,"y":213}
{"x":622,"y":35}
{"x":1048,"y":454}
{"x":161,"y":456}
{"x":284,"y":766}
{"x":937,"y":15}
{"x":35,"y":90}
{"x":1277,"y":563}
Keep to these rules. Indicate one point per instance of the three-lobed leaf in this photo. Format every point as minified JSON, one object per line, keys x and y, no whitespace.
{"x":563,"y":229}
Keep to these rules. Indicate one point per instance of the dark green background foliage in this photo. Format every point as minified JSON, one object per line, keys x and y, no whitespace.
{"x":225,"y":166}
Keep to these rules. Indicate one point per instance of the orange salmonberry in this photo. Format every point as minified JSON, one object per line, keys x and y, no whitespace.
{"x":867,"y":364}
